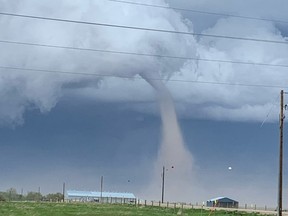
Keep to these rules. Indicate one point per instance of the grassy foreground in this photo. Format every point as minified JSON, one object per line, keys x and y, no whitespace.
{"x":91,"y":209}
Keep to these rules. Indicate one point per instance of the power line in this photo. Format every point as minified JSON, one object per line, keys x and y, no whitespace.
{"x":271,"y":109}
{"x":143,"y":29}
{"x":129,"y":77}
{"x":198,"y":11}
{"x":144,"y":54}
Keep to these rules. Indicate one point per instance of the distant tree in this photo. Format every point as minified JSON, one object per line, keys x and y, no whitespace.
{"x":2,"y":197}
{"x":33,"y":196}
{"x":12,"y":194}
{"x":54,"y":197}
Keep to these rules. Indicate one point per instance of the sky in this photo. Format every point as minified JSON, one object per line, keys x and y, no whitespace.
{"x":104,"y":120}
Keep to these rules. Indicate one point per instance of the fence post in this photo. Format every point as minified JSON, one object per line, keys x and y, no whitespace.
{"x":167,"y":204}
{"x":152,"y":203}
{"x":145,"y":203}
{"x":255,"y":207}
{"x":201,"y":209}
{"x":245,"y":206}
{"x":174,"y":205}
{"x":159,"y":203}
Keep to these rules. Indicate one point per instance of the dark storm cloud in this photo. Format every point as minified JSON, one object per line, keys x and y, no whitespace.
{"x":22,"y":90}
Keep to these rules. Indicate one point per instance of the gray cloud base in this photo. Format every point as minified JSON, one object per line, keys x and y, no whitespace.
{"x":22,"y":90}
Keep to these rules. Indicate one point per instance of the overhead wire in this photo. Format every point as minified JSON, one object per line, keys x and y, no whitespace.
{"x":199,"y":11}
{"x":143,"y":54}
{"x":143,"y":28}
{"x":269,"y":112}
{"x":151,"y":78}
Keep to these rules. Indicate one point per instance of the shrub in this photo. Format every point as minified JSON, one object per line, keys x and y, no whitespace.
{"x":2,"y":198}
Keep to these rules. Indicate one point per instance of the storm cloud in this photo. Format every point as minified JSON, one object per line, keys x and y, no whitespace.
{"x":25,"y":90}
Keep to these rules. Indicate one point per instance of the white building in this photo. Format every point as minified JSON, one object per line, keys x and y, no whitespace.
{"x":104,"y":197}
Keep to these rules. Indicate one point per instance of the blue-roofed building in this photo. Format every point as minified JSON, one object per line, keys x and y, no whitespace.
{"x":104,"y":197}
{"x":223,"y":202}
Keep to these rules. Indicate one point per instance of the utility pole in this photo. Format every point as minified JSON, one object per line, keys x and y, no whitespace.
{"x":63,"y":192}
{"x":39,"y":194}
{"x":21,"y":194}
{"x":101,"y":188}
{"x":163,"y":184}
{"x":279,"y":213}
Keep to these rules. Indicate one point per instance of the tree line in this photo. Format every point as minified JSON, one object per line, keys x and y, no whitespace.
{"x":12,"y":195}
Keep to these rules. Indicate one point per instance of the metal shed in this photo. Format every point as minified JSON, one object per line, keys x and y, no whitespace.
{"x":223,"y":202}
{"x":104,"y":197}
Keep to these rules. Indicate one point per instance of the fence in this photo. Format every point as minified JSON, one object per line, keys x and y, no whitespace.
{"x":185,"y":206}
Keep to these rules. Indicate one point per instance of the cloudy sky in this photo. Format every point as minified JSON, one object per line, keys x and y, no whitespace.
{"x":72,"y":115}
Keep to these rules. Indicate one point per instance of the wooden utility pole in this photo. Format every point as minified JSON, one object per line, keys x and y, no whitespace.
{"x":163,"y":184}
{"x":101,"y":188}
{"x":279,"y":213}
{"x":63,"y":192}
{"x":39,"y":194}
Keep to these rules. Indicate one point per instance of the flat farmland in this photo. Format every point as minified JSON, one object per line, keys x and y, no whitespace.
{"x":91,"y":209}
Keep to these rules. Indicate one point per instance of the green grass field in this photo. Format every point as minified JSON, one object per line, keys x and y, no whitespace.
{"x":91,"y":209}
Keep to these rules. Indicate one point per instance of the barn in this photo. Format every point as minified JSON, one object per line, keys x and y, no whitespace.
{"x":223,"y":202}
{"x":103,"y":197}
